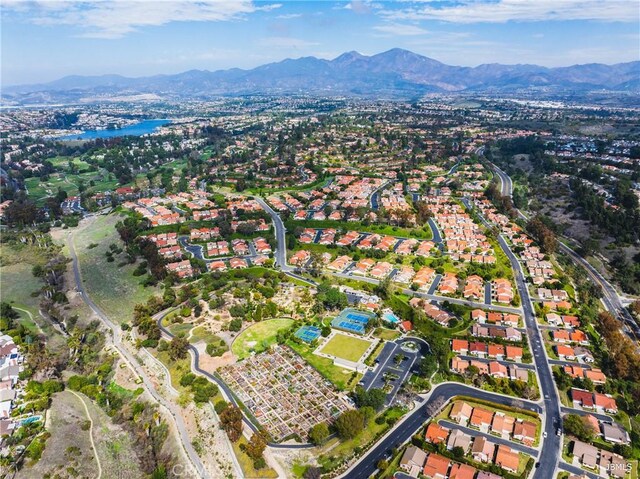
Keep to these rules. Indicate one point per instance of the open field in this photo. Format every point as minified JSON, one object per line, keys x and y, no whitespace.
{"x":68,"y":451}
{"x":346,"y":347}
{"x":113,"y":288}
{"x":341,"y":378}
{"x":39,"y":189}
{"x":258,"y":337}
{"x":246,"y":463}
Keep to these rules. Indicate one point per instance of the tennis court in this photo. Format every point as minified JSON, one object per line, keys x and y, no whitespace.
{"x":361,"y":318}
{"x":308,"y":333}
{"x":349,"y":326}
{"x":352,"y":320}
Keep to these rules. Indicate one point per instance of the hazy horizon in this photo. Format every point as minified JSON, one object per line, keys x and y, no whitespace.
{"x":137,"y":38}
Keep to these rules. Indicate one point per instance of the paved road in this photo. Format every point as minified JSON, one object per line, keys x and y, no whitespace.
{"x":403,"y":431}
{"x":227,"y":392}
{"x":577,"y":470}
{"x":551,"y":445}
{"x":611,"y":298}
{"x":133,"y":363}
{"x":550,"y":453}
{"x":491,"y":437}
{"x":281,"y":250}
{"x":376,"y":194}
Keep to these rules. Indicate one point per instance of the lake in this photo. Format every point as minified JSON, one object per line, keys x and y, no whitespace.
{"x":142,"y":128}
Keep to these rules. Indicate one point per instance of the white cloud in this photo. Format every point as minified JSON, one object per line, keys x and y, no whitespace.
{"x":117,"y":18}
{"x":398,"y":29}
{"x":288,"y":16}
{"x":500,"y":11}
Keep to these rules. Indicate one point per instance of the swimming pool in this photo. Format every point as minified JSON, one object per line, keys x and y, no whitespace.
{"x":389,"y":317}
{"x":31,"y":419}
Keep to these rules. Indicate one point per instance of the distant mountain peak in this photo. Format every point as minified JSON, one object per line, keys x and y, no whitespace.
{"x":395,"y":73}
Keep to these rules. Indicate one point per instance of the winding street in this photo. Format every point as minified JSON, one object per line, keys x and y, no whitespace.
{"x":226,"y":391}
{"x":431,"y":405}
{"x":199,"y":469}
{"x":611,"y":298}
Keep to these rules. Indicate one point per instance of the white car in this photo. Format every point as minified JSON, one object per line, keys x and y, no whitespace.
{"x":544,"y":434}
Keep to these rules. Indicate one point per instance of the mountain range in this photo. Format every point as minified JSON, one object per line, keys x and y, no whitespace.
{"x":395,"y":73}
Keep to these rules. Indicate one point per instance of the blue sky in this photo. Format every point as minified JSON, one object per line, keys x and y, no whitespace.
{"x":45,"y":40}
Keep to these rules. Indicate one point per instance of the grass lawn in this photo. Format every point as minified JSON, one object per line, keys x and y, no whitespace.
{"x":341,"y":378}
{"x":201,"y":334}
{"x":180,"y":329}
{"x":336,"y":452}
{"x":346,"y":347}
{"x":113,"y":288}
{"x":258,"y":337}
{"x":19,"y":287}
{"x":177,"y":369}
{"x":376,"y":352}
{"x":386,"y":334}
{"x":246,"y":463}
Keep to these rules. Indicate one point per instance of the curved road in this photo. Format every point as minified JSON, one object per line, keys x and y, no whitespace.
{"x":405,"y":429}
{"x":610,"y":297}
{"x":133,"y":364}
{"x":195,"y":366}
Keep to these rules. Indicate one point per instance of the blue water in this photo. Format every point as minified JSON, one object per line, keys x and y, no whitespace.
{"x":390,"y":317}
{"x":143,"y":128}
{"x":31,"y":419}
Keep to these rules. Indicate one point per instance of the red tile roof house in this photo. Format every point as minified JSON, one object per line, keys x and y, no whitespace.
{"x":237,"y":263}
{"x":462,"y":471}
{"x":406,"y":326}
{"x":381,"y":270}
{"x":262,"y":246}
{"x":460,"y":346}
{"x":181,"y":268}
{"x":582,"y":399}
{"x":300,"y":257}
{"x":436,"y":467}
{"x":525,"y":432}
{"x":495,"y":351}
{"x":478,"y":348}
{"x":514,"y":353}
{"x":502,"y":425}
{"x":461,"y":412}
{"x":605,"y":403}
{"x":507,"y":459}
{"x":217,"y":266}
{"x":436,"y":434}
{"x":565,"y":352}
{"x":339,"y":263}
{"x":479,"y":316}
{"x":481,"y":419}
{"x":498,"y":370}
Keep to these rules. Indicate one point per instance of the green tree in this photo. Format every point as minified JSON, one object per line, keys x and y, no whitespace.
{"x":349,"y":424}
{"x":178,"y":348}
{"x":231,"y":422}
{"x":579,"y":427}
{"x":319,"y":433}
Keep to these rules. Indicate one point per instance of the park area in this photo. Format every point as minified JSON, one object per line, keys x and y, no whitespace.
{"x":258,"y":337}
{"x":345,"y":347}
